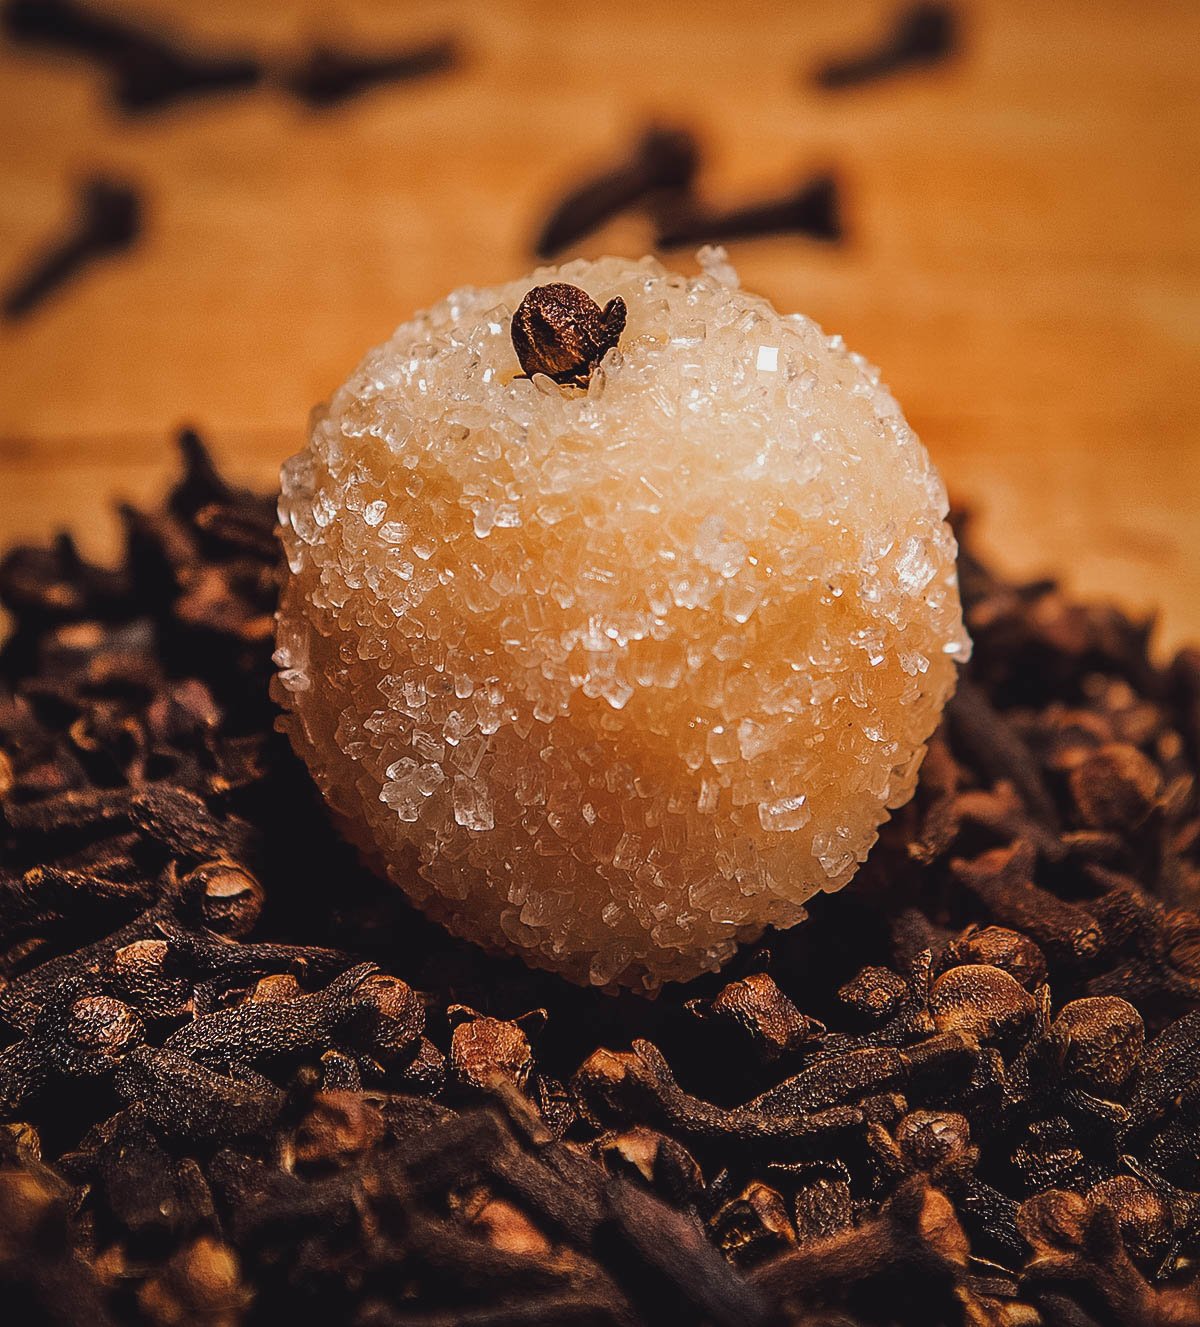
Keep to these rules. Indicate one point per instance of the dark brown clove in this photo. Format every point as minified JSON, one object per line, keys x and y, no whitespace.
{"x":560,"y":331}
{"x":484,"y":1050}
{"x":148,"y":71}
{"x":813,"y":210}
{"x":329,"y":76}
{"x":1102,"y":1040}
{"x":922,"y":35}
{"x":982,"y":1002}
{"x":662,"y":160}
{"x":108,"y":221}
{"x":1115,"y":787}
{"x":999,"y":947}
{"x":757,"y":1006}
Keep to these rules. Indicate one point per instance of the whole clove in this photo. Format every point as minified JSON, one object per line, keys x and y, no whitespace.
{"x":981,"y":1002}
{"x":813,"y":210}
{"x":756,"y":1005}
{"x":999,"y":947}
{"x":1102,"y":1040}
{"x":663,"y":161}
{"x":483,"y":1050}
{"x":1115,"y":787}
{"x":148,"y":71}
{"x":108,"y":222}
{"x":329,"y":76}
{"x":560,"y":331}
{"x":922,"y":35}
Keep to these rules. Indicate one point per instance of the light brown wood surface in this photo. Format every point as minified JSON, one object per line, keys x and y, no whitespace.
{"x":1023,"y":255}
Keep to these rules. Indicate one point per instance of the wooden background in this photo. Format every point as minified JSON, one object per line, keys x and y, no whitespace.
{"x":1023,"y":256}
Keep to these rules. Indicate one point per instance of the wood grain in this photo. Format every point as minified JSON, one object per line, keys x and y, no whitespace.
{"x":1023,"y":259}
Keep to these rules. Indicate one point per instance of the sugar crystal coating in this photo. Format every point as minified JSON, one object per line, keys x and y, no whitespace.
{"x":615,"y":678}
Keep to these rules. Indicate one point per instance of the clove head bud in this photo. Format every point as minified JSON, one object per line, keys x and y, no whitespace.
{"x":1103,"y":1037}
{"x":981,"y":1001}
{"x":559,"y":330}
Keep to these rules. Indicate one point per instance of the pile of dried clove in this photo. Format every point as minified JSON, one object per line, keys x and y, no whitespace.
{"x":240,"y":1080}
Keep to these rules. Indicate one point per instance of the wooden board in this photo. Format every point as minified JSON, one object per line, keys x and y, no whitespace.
{"x":1023,"y":256}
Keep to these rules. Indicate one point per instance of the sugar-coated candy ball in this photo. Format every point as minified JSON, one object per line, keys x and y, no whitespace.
{"x":614,"y":665}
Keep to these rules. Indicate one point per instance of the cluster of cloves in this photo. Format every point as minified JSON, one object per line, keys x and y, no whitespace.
{"x":150,"y":71}
{"x":658,"y":174}
{"x":240,"y":1080}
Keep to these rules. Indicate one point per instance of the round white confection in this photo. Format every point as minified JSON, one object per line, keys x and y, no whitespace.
{"x":613,"y":678}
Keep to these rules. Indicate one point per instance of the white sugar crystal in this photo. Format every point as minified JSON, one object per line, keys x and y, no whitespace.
{"x":633,"y":670}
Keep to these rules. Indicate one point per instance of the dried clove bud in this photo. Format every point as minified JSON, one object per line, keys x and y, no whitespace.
{"x":822,"y":1205}
{"x":686,"y":1277}
{"x":336,"y":1126}
{"x":101,"y":1027}
{"x":329,"y":76}
{"x":504,"y":1225}
{"x":662,"y":159}
{"x":983,"y":1002}
{"x":483,"y":1050}
{"x":812,"y":209}
{"x":757,"y":1005}
{"x":229,"y":899}
{"x":426,"y":1071}
{"x":1054,"y":1220}
{"x":200,"y":1283}
{"x":1144,"y":1218}
{"x":559,"y":330}
{"x":923,"y":35}
{"x":666,"y":1165}
{"x":753,"y":1227}
{"x":386,"y":1016}
{"x":373,"y":1012}
{"x":1115,"y":787}
{"x":874,"y":993}
{"x":1002,"y":878}
{"x":278,"y":986}
{"x":148,"y":71}
{"x":188,"y":1100}
{"x":931,"y":1140}
{"x":998,"y":947}
{"x":1103,"y":1038}
{"x":108,"y":221}
{"x":990,"y":739}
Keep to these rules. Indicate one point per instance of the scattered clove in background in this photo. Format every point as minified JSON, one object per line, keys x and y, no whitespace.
{"x":663,"y":160}
{"x":659,"y":176}
{"x":148,"y":71}
{"x":922,"y":35}
{"x":108,"y":221}
{"x":813,"y":210}
{"x":330,"y":76}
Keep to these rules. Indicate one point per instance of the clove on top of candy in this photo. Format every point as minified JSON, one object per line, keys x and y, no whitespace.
{"x":559,"y":330}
